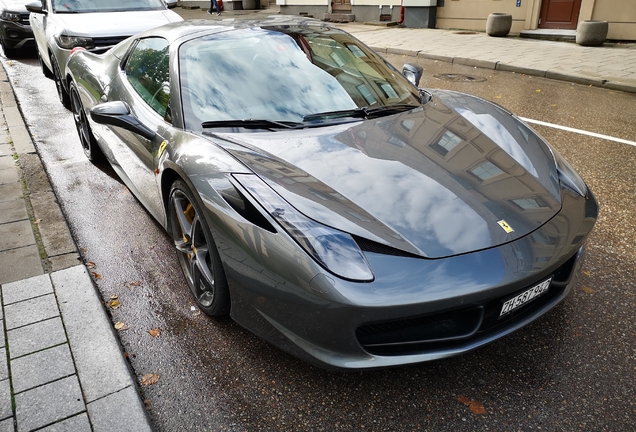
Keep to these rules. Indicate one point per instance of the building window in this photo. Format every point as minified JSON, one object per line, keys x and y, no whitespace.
{"x":486,"y":171}
{"x":530,"y":203}
{"x":446,"y":143}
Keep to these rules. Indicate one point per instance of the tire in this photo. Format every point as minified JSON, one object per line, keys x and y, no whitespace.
{"x":65,"y":99}
{"x":84,"y":132}
{"x":45,"y":69}
{"x":197,"y":252}
{"x":8,"y":52}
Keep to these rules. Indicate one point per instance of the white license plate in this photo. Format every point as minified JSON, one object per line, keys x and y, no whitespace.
{"x":525,"y":297}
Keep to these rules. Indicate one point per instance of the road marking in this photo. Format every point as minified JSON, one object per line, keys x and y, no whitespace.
{"x":579,"y":131}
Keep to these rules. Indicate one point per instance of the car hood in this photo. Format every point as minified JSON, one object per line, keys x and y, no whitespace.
{"x":457,"y":175}
{"x":109,"y":24}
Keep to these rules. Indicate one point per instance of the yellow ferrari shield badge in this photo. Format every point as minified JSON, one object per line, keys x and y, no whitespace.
{"x":507,"y":228}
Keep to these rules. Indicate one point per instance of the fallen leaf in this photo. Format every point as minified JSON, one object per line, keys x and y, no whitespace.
{"x":587,"y":289}
{"x":474,"y":406}
{"x":587,"y":273}
{"x":114,"y":304}
{"x":37,"y":221}
{"x":121,"y":326}
{"x":133,"y":284}
{"x":114,"y":297}
{"x":538,"y":91}
{"x":154,"y":332}
{"x":84,"y":249}
{"x":97,"y":275}
{"x":147,"y":403}
{"x":90,"y":264}
{"x":149,"y":379}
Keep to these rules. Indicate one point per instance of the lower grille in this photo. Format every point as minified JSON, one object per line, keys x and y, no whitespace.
{"x":455,"y":328}
{"x":108,"y":42}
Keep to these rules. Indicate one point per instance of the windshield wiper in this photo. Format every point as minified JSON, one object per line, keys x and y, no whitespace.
{"x":364,"y":112}
{"x":390,"y":109}
{"x":356,"y":112}
{"x":252,"y":124}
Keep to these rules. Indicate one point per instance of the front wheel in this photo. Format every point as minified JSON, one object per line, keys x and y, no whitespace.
{"x":45,"y":69}
{"x":65,"y":99}
{"x":8,"y":52}
{"x":197,"y":252}
{"x":86,"y":137}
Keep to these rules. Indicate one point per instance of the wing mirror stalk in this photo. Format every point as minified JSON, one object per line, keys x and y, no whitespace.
{"x":413,"y":73}
{"x":118,"y":114}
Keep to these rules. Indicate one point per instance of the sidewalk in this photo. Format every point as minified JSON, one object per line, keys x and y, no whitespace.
{"x":62,"y":367}
{"x":611,"y":66}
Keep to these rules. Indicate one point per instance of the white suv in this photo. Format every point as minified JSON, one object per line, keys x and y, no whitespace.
{"x":96,"y":25}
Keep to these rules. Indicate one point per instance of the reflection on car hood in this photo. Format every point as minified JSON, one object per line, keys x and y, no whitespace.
{"x":108,"y":24}
{"x":457,"y":175}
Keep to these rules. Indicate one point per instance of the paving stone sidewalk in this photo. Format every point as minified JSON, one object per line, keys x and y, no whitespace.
{"x":63,"y":368}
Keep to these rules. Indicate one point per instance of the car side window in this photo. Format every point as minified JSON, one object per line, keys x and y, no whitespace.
{"x":147,"y":70}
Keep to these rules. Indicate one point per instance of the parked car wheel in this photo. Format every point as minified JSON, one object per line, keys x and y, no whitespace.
{"x":197,"y":252}
{"x":61,"y":92}
{"x":8,"y":52}
{"x":87,"y":139}
{"x":45,"y":69}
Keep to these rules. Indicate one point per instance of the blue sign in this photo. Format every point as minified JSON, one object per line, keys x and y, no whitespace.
{"x":518,"y":3}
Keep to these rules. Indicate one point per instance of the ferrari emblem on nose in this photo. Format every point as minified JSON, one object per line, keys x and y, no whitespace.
{"x":507,"y":228}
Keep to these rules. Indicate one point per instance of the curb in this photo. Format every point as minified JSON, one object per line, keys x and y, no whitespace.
{"x":486,"y":64}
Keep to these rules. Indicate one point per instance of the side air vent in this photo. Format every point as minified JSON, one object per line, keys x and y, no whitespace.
{"x":375,"y":247}
{"x":245,"y":208}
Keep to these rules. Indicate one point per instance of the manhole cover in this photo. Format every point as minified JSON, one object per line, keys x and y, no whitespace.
{"x":464,"y":32}
{"x":459,"y":77}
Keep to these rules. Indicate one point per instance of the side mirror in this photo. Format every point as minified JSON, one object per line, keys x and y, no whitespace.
{"x":413,"y":73}
{"x":118,"y":114}
{"x":35,"y":7}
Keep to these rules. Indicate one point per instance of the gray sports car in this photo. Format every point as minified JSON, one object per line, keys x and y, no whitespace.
{"x":327,"y":204}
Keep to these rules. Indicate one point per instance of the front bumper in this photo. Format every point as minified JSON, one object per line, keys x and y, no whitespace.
{"x":16,"y":36}
{"x":416,"y":309}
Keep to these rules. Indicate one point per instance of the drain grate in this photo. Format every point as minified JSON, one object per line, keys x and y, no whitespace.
{"x":459,"y":77}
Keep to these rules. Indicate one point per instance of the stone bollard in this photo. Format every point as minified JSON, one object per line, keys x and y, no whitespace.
{"x":249,"y":4}
{"x":498,"y":24}
{"x":591,"y":32}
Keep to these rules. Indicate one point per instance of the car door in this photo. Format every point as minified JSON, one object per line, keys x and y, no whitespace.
{"x":143,"y":83}
{"x":38,"y":26}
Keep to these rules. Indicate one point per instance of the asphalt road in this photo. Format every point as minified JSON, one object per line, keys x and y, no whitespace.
{"x":573,"y":369}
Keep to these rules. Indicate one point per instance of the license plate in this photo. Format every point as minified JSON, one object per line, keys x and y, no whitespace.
{"x":525,"y":297}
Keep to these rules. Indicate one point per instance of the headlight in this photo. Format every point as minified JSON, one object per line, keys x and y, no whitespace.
{"x":335,"y":250}
{"x":70,"y":42}
{"x":11,"y":16}
{"x":568,"y":175}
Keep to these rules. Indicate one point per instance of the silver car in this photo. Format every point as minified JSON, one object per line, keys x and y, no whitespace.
{"x":326,"y":203}
{"x":96,"y":25}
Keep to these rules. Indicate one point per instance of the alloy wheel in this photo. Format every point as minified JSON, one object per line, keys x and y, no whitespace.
{"x":193,"y":248}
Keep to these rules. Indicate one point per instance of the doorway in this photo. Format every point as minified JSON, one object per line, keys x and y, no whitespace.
{"x":559,"y":14}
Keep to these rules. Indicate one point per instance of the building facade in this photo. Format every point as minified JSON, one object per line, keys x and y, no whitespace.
{"x":472,"y":14}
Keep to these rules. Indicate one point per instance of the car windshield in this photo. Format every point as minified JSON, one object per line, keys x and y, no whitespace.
{"x":91,"y":6}
{"x":288,"y":74}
